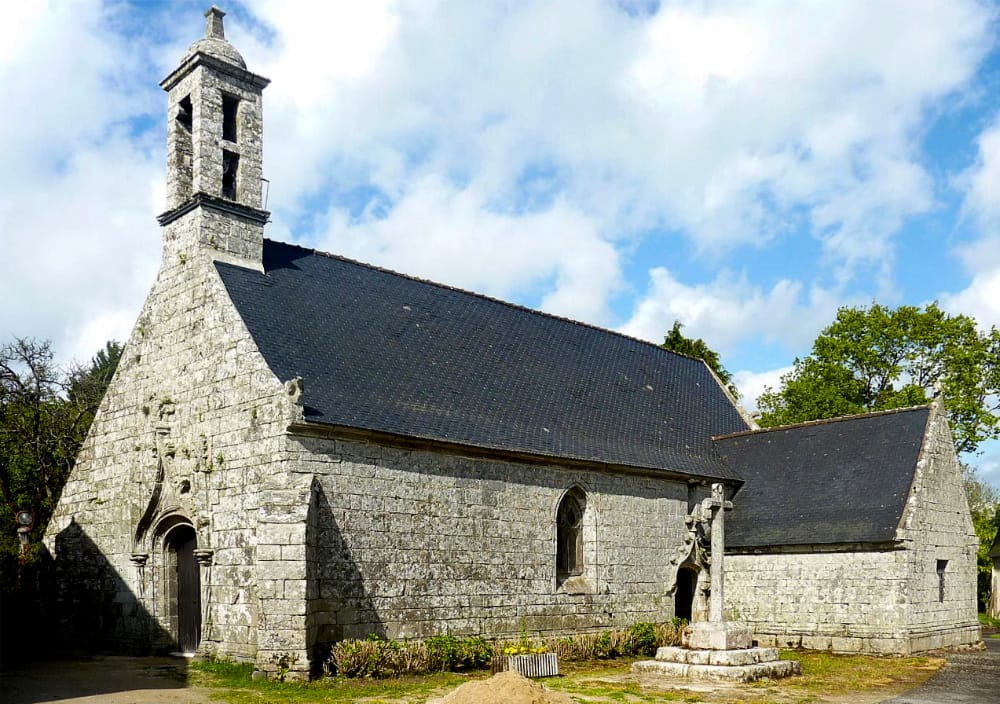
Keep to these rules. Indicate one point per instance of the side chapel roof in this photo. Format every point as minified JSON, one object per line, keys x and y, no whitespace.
{"x":844,"y":480}
{"x":389,"y":353}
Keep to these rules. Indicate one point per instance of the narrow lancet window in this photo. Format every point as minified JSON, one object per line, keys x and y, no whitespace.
{"x":569,"y":535}
{"x":230,"y":165}
{"x":230,"y":107}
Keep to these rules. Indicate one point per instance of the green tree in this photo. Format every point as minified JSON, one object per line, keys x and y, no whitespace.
{"x":879,"y":358}
{"x":44,"y":415}
{"x":984,"y":505}
{"x":676,"y":342}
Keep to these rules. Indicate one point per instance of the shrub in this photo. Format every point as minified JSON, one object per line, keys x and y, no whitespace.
{"x":642,"y":639}
{"x":377,"y":657}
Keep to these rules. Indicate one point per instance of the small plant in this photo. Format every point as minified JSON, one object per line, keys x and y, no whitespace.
{"x":524,"y":646}
{"x":285,"y":662}
{"x":642,"y":639}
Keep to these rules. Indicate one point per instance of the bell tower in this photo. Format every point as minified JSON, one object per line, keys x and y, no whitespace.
{"x":214,"y":153}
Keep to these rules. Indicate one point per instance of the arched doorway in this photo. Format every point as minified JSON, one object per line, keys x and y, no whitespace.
{"x":687,"y":583}
{"x":182,"y":586}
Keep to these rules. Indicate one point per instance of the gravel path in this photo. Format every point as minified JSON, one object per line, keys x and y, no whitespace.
{"x":968,"y":678}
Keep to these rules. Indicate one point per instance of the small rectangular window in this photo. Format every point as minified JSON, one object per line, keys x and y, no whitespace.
{"x":230,"y":107}
{"x":942,"y":565}
{"x":230,"y":166}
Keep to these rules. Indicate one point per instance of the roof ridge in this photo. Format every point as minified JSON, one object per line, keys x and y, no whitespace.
{"x":482,"y":296}
{"x":825,"y":421}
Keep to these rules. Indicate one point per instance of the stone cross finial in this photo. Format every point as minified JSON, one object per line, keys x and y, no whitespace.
{"x":717,"y":505}
{"x":213,"y":24}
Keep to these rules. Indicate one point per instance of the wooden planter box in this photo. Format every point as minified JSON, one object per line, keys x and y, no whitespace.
{"x":533,"y":665}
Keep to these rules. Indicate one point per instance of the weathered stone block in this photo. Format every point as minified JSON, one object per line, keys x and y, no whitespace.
{"x":717,"y":635}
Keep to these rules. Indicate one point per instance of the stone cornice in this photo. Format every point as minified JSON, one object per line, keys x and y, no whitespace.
{"x":221,"y":205}
{"x":341,"y":432}
{"x":201,"y":59}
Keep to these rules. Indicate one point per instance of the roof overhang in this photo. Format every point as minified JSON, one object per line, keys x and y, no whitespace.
{"x":341,"y":432}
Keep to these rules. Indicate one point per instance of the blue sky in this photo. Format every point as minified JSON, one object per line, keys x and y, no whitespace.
{"x":745,"y":168}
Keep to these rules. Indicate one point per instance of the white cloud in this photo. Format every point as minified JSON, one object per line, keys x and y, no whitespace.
{"x":981,"y":257}
{"x":451,"y":235}
{"x":752,"y":384}
{"x":531,"y":145}
{"x":733,"y":124}
{"x":730,"y":309}
{"x":81,"y":254}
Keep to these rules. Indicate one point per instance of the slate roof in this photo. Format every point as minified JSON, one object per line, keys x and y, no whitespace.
{"x":838,"y":481}
{"x":385,"y":352}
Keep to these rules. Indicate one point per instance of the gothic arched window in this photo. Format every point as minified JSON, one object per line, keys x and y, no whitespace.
{"x":569,"y":534}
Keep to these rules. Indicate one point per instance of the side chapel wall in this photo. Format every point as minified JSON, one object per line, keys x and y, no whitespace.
{"x":192,"y":394}
{"x":839,"y":601}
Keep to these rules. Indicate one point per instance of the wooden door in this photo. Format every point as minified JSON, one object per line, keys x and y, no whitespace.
{"x":188,"y":590}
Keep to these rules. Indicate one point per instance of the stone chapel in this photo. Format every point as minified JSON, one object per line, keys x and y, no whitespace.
{"x":299,"y":448}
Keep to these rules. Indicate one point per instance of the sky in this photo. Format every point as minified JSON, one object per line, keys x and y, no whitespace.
{"x":744,"y":168}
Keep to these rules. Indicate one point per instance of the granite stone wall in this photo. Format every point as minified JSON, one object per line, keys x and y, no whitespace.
{"x":840,"y":601}
{"x":190,"y":428}
{"x":865,"y":599}
{"x":941,"y":547}
{"x":411,"y":543}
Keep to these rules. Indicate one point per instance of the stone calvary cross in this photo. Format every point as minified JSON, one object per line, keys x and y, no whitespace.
{"x":718,"y":649}
{"x":718,"y":506}
{"x":717,"y":633}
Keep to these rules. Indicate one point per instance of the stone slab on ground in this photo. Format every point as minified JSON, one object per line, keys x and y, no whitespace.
{"x":720,"y":673}
{"x":733,"y":658}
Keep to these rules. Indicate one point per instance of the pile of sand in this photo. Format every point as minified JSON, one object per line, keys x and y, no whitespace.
{"x":504,"y":688}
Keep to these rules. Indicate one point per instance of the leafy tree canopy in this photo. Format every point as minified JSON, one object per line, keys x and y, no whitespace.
{"x":45,"y":413}
{"x":879,"y":358}
{"x":676,"y":342}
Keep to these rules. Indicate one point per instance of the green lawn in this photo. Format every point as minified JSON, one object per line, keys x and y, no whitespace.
{"x":824,"y":675}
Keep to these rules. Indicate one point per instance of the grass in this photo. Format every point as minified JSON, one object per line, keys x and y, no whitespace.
{"x":988,"y":622}
{"x":824,"y":676}
{"x":231,"y":682}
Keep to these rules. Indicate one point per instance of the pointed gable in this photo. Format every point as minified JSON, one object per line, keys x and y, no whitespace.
{"x":844,"y":480}
{"x":392,"y":354}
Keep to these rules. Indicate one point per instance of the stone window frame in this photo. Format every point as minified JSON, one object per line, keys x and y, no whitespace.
{"x":230,"y":117}
{"x":574,"y":560}
{"x":569,"y":534}
{"x":230,"y":186}
{"x":942,"y":567}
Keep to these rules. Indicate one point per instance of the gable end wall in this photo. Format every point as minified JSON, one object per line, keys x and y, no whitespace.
{"x":936,"y":525}
{"x":192,"y":394}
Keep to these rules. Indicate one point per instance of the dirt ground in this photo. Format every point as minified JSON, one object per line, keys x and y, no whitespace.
{"x":101,"y":679}
{"x":163,"y":680}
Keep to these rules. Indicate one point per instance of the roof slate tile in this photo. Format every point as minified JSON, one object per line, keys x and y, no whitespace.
{"x":389,"y":353}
